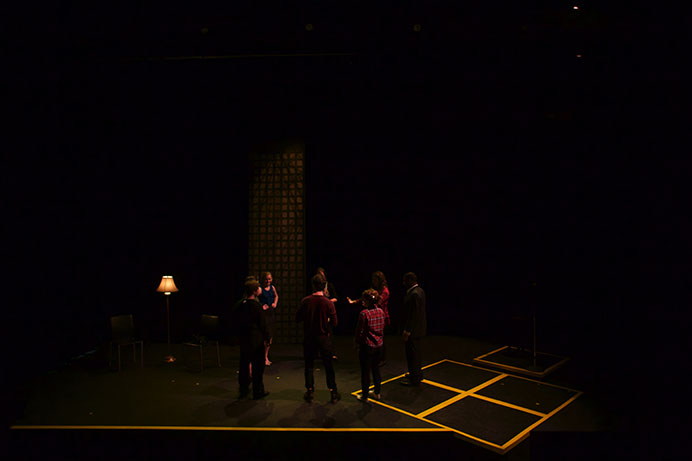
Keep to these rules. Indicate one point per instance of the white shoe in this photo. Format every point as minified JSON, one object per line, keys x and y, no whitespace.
{"x":375,"y":396}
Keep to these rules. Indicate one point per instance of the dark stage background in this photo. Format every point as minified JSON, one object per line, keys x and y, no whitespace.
{"x":479,"y":152}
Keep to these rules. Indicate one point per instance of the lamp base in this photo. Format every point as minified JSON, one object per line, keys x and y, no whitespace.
{"x":169,"y":359}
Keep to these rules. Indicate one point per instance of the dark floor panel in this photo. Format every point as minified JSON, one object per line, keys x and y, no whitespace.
{"x":487,"y":421}
{"x":458,"y":376}
{"x":528,"y":394}
{"x":414,"y":399}
{"x":519,"y":359}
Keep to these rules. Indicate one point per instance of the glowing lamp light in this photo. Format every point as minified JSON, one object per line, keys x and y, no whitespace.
{"x":167,"y":285}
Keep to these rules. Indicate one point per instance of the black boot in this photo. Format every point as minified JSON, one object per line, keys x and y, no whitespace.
{"x":309,"y":395}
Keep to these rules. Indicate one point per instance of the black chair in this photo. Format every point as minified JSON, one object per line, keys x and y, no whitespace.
{"x":123,"y":334}
{"x":208,"y":336}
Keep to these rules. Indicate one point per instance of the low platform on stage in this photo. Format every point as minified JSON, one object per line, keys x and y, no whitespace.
{"x":494,"y":410}
{"x":462,"y":408}
{"x":518,"y":360}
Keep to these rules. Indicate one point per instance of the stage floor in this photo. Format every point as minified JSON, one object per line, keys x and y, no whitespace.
{"x":461,"y":402}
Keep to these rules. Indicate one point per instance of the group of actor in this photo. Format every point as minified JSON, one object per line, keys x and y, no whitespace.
{"x":253,"y":317}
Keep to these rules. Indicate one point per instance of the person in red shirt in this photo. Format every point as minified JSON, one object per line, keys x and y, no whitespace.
{"x":318,"y":315}
{"x":369,"y":340}
{"x":379,"y":283}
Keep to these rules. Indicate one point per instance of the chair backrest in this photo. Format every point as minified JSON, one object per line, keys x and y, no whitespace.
{"x":123,"y":327}
{"x":209,"y":327}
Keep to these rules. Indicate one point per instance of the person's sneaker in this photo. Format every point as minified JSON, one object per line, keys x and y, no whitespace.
{"x":260,"y":395}
{"x":362,"y":398}
{"x":335,"y":396}
{"x":409,"y":382}
{"x":375,"y":396}
{"x":309,"y":395}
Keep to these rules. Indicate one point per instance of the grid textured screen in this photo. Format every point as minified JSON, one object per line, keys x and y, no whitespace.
{"x":277,"y":228}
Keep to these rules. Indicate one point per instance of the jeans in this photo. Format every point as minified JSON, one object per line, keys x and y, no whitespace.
{"x":321,"y":345}
{"x":369,"y":358}
{"x":254,"y":355}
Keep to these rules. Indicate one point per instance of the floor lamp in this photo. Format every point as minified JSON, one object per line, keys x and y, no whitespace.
{"x":167,"y":287}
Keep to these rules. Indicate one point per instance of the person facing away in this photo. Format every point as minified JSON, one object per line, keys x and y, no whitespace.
{"x":251,"y":327}
{"x":318,"y":315}
{"x":369,"y":339}
{"x":379,"y":283}
{"x":269,"y":299}
{"x":413,"y":328}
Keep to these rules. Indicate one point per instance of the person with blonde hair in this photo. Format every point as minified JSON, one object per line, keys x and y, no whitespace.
{"x":269,"y":299}
{"x":330,"y":292}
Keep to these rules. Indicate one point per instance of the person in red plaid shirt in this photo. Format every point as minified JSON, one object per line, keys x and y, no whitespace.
{"x":369,"y":340}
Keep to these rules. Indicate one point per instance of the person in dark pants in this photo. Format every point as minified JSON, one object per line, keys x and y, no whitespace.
{"x":317,"y":313}
{"x":253,"y":335}
{"x":330,"y":292}
{"x":369,"y":342}
{"x":414,"y":328}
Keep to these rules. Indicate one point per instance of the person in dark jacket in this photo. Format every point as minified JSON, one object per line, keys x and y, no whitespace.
{"x":414,"y":328}
{"x":251,"y":328}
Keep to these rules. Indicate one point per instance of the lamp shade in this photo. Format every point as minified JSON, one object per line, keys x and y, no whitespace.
{"x":167,"y":285}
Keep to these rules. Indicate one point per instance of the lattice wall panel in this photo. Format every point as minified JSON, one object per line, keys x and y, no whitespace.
{"x":277,"y":229}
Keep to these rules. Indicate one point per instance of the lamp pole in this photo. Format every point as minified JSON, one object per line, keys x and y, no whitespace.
{"x":169,"y":358}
